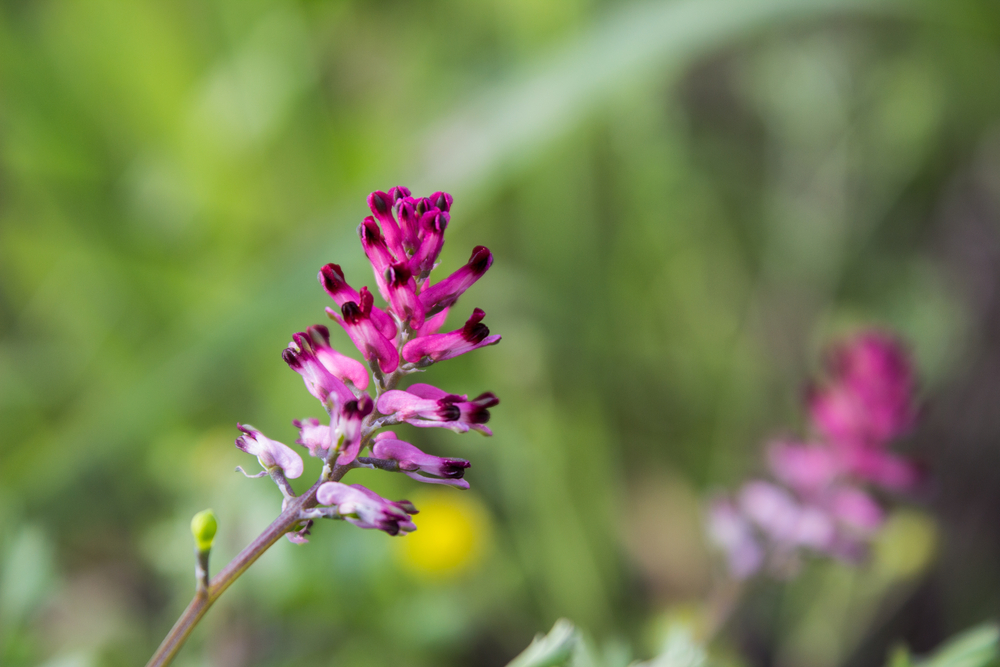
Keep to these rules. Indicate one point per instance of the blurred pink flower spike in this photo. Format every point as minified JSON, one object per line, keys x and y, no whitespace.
{"x":352,"y":414}
{"x":733,"y":534}
{"x":314,"y":436}
{"x":446,"y":292}
{"x":856,"y":510}
{"x":364,"y":334}
{"x":869,"y":397}
{"x":300,"y":355}
{"x":420,"y":466}
{"x":331,"y":277}
{"x":270,"y":453}
{"x":438,"y":347}
{"x":425,"y":405}
{"x":367,"y":509}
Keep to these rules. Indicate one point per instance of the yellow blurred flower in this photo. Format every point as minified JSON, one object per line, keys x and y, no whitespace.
{"x":452,"y":536}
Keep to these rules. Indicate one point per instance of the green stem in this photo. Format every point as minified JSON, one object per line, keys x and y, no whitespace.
{"x":203,"y":599}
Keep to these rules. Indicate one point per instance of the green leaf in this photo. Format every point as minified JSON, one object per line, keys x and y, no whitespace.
{"x":549,"y":650}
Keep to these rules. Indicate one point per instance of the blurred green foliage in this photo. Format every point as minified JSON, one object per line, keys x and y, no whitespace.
{"x":685,"y":199}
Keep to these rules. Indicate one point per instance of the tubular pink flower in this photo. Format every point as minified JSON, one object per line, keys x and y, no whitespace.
{"x":438,"y":347}
{"x":331,"y":277}
{"x":413,"y":462}
{"x":270,"y":453}
{"x":733,"y":534}
{"x":367,"y":509}
{"x":300,"y":355}
{"x":425,"y":405}
{"x":357,"y":322}
{"x":431,"y":226}
{"x":349,"y":427}
{"x":446,"y":292}
{"x":314,"y":436}
{"x":379,"y":255}
{"x":402,"y":289}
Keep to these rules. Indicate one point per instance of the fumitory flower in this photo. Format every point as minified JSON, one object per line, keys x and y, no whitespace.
{"x":419,"y":466}
{"x":367,"y":509}
{"x":270,"y":453}
{"x":426,"y":405}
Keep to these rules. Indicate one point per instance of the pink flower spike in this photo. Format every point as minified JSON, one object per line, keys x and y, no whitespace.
{"x":349,"y":427}
{"x":446,"y":293}
{"x":314,"y":436}
{"x":806,"y":468}
{"x":380,"y":204}
{"x":301,"y":357}
{"x":367,"y":509}
{"x":331,"y":277}
{"x":270,"y":453}
{"x":879,"y":467}
{"x":438,"y":347}
{"x":731,"y":533}
{"x":403,"y":299}
{"x":413,"y":462}
{"x":356,"y":321}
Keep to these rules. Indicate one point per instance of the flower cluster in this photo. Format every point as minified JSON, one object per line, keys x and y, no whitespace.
{"x":819,"y":500}
{"x":402,"y":239}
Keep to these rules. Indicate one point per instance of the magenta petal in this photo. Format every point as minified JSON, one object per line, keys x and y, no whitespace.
{"x":366,"y":509}
{"x":377,"y":251}
{"x":300,"y":355}
{"x":314,"y":436}
{"x":445,"y":293}
{"x":270,"y":453}
{"x":432,"y":227}
{"x":381,"y":205}
{"x":432,"y":324}
{"x":351,"y":417}
{"x":341,"y":366}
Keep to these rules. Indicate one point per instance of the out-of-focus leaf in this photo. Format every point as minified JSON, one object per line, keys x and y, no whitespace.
{"x":549,"y":650}
{"x":973,"y":648}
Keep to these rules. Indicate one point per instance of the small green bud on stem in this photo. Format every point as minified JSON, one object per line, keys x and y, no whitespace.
{"x":203,"y":527}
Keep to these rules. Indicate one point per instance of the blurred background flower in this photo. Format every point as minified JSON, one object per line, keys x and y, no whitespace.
{"x":686,"y":200}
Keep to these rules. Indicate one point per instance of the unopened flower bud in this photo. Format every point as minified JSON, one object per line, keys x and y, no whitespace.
{"x":203,"y":527}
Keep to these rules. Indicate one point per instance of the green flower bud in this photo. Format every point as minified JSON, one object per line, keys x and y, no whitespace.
{"x":203,"y":527}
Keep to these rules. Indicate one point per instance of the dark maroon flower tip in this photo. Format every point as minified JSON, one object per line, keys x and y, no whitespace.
{"x":358,"y":409}
{"x":331,"y":277}
{"x":398,"y":275}
{"x":398,"y":192}
{"x":453,"y":468}
{"x":351,"y":312}
{"x":319,"y":335}
{"x":441,"y":200}
{"x":474,"y":330}
{"x":369,"y":231}
{"x":480,"y":260}
{"x":379,"y":202}
{"x":449,"y":412}
{"x":291,"y":358}
{"x":487,"y":399}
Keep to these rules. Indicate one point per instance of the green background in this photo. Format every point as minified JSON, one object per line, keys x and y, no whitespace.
{"x":686,"y":200}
